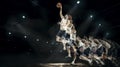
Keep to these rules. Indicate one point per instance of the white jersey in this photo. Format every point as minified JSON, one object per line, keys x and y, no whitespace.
{"x":73,"y":36}
{"x":64,"y":20}
{"x":81,"y":43}
{"x":93,"y":44}
{"x":63,"y":24}
{"x":68,"y":29}
{"x":106,"y":44}
{"x":99,"y":45}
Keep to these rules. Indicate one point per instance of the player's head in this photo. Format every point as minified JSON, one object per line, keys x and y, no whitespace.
{"x":78,"y":38}
{"x":73,"y":30}
{"x":90,"y":37}
{"x":68,"y":16}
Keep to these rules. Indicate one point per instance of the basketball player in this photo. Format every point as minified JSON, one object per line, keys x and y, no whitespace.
{"x":106,"y":45}
{"x":82,"y":49}
{"x":72,"y":44}
{"x":62,"y":34}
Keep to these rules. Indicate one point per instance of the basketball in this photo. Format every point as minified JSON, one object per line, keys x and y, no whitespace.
{"x":58,"y":5}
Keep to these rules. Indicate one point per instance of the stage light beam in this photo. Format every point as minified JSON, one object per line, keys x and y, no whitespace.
{"x":91,"y":16}
{"x":23,"y":17}
{"x":37,"y":40}
{"x":47,"y":42}
{"x":25,"y":37}
{"x":9,"y":33}
{"x":107,"y":33}
{"x":100,"y":24}
{"x":78,"y":2}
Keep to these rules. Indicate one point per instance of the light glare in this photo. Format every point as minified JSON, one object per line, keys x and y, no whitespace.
{"x":91,"y":16}
{"x":100,"y":24}
{"x":9,"y":33}
{"x":37,"y":39}
{"x":25,"y":36}
{"x":78,"y":2}
{"x":23,"y":17}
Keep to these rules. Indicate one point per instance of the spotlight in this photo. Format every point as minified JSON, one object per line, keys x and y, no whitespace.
{"x":47,"y":42}
{"x":91,"y":16}
{"x":23,"y":17}
{"x":107,"y":33}
{"x":9,"y":33}
{"x":25,"y":36}
{"x":37,"y":40}
{"x":100,"y":24}
{"x":78,"y":2}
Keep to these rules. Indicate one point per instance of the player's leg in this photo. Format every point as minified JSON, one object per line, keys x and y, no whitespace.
{"x":75,"y":55}
{"x":68,"y":51}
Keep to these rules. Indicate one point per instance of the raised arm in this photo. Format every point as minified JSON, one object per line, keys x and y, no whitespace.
{"x":59,"y":5}
{"x":61,"y":15}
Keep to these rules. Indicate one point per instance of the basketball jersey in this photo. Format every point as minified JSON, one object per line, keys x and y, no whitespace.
{"x":63,"y":24}
{"x":93,"y":44}
{"x":73,"y":36}
{"x":68,"y":27}
{"x":81,"y":44}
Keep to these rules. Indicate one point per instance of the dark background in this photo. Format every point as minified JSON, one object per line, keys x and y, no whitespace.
{"x":41,"y":20}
